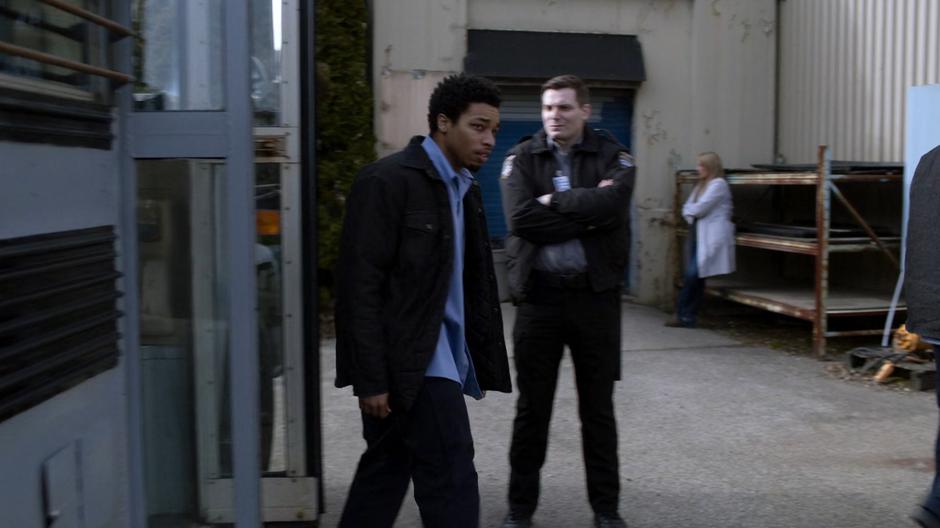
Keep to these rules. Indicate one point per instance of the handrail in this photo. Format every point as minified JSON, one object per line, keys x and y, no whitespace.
{"x":47,"y":58}
{"x":106,"y":23}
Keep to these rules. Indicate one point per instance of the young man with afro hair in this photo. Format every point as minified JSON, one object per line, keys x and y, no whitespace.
{"x":417,"y":313}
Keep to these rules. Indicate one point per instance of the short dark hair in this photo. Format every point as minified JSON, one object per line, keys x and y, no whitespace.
{"x":455,"y":93}
{"x":582,"y":94}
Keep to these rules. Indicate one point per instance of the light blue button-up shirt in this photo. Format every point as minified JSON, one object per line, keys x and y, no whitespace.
{"x":451,"y":358}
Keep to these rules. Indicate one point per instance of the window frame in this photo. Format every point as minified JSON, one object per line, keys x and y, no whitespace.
{"x":44,"y":111}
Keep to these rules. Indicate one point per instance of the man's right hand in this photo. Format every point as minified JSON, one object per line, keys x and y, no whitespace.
{"x":376,"y":406}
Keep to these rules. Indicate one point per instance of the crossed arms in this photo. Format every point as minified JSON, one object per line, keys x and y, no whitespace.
{"x":561,"y":216}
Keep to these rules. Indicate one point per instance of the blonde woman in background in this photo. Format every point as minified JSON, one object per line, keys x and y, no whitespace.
{"x":709,"y":248}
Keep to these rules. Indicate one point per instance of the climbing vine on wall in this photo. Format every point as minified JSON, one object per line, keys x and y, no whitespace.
{"x":345,"y":137}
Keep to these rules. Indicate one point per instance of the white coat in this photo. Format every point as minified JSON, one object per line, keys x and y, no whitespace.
{"x":714,"y":230}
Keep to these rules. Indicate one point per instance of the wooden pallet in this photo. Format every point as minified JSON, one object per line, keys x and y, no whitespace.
{"x":922,"y":376}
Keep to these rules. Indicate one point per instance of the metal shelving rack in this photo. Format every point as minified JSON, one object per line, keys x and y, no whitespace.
{"x":816,"y":304}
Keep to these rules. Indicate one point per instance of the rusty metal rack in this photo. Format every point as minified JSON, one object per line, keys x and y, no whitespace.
{"x":813,"y":302}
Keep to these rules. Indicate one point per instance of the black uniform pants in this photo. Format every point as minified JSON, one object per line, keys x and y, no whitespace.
{"x":932,"y":502}
{"x":430,"y":445}
{"x":556,"y":314}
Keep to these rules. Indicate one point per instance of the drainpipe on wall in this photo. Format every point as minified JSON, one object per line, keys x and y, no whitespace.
{"x":778,"y":157}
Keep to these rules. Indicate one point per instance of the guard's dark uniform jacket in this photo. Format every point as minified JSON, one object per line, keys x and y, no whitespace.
{"x":598,"y":217}
{"x":922,"y":263}
{"x":393,"y":276}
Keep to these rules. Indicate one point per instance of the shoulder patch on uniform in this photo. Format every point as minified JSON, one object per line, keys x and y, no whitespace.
{"x":507,"y":166}
{"x":626,"y":160}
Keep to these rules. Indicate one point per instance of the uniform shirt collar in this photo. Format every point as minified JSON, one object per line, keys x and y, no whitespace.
{"x":441,"y":164}
{"x":554,"y":146}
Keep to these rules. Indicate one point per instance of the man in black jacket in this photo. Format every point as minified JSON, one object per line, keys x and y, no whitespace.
{"x":566,"y":195}
{"x":922,"y":288}
{"x":417,"y":313}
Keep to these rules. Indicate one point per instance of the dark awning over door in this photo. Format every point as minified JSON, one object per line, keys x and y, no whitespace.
{"x":541,"y":55}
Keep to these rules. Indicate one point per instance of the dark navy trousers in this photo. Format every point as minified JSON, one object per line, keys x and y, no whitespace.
{"x":933,"y":498}
{"x":431,"y":446}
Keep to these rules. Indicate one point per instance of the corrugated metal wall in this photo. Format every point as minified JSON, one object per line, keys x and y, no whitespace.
{"x":845,"y":67}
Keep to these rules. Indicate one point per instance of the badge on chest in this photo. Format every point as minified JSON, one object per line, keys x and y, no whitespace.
{"x":561,"y":182}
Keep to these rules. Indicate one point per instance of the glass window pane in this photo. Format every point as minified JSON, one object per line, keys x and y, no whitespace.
{"x":183,"y":337}
{"x":266,"y":61}
{"x":43,"y":28}
{"x":178,"y":59}
{"x":269,"y":268}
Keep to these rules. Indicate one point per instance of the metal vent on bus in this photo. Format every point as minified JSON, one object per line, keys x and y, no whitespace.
{"x":58,"y":314}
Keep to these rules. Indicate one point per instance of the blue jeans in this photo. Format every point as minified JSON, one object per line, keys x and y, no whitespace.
{"x":693,"y":286}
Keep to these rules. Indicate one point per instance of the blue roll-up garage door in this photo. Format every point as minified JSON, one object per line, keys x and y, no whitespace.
{"x":520,"y":116}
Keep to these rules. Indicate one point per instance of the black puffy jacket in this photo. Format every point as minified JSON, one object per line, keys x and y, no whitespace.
{"x":922,"y":261}
{"x":393,"y":276}
{"x":599,"y":217}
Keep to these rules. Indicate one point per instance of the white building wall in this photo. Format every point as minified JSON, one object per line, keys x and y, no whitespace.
{"x":710,"y":86}
{"x":733,"y":80}
{"x":415,"y":44}
{"x":845,"y":67}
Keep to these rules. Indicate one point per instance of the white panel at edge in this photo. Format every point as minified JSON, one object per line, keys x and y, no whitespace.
{"x":923,"y":133}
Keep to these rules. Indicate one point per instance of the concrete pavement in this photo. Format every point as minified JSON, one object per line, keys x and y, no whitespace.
{"x":713,"y":434}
